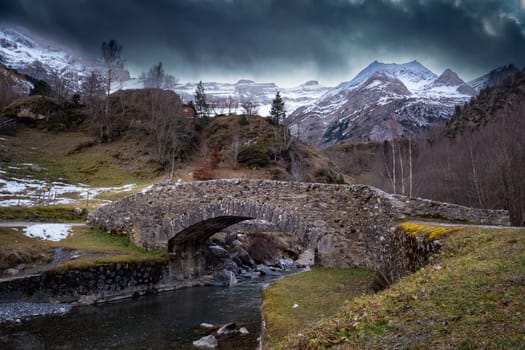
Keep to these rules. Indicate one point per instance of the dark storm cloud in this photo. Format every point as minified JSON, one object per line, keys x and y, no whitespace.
{"x":294,"y":39}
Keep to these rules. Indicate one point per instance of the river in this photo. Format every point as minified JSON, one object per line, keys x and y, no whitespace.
{"x":164,"y":321}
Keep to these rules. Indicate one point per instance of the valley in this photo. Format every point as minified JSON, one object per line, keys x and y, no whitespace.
{"x":231,"y":197}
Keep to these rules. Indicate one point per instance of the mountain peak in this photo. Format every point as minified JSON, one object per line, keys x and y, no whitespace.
{"x":412,"y":74}
{"x":449,"y":78}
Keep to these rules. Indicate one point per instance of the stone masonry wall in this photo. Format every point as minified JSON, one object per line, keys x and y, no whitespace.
{"x":418,"y":207}
{"x":88,"y":285}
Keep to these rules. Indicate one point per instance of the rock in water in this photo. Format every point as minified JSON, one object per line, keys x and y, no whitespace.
{"x":267,"y":271}
{"x":208,"y":342}
{"x":228,"y":328}
{"x":207,"y":325}
{"x":306,"y":259}
{"x":286,"y":264}
{"x":225,"y":278}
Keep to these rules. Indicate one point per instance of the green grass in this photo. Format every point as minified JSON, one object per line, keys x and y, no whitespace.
{"x":93,"y":168}
{"x":121,"y":249}
{"x":471,"y":297}
{"x":48,"y":213}
{"x":74,"y":156}
{"x":83,"y":238}
{"x":15,"y":248}
{"x":319,"y":293}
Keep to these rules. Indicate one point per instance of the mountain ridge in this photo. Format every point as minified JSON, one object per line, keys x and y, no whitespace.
{"x":401,"y":99}
{"x":383,"y":101}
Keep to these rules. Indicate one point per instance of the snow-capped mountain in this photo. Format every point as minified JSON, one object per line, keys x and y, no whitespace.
{"x":17,"y":83}
{"x":243,"y":91}
{"x":41,"y":59}
{"x":382,"y":102}
{"x":495,"y":77}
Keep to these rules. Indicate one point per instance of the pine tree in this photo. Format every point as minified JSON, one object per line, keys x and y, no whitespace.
{"x":201,"y":103}
{"x":277,"y":112}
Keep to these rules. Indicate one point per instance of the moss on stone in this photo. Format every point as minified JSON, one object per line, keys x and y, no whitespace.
{"x":431,"y":232}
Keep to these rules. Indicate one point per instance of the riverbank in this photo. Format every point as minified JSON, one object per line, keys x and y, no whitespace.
{"x":469,"y":296}
{"x":298,"y":301}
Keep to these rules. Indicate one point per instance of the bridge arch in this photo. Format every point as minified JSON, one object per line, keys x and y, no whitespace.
{"x":187,"y":233}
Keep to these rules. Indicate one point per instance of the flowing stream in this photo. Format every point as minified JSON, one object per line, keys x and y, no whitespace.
{"x":164,"y":321}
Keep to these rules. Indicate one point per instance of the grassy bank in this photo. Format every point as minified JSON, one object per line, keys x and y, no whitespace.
{"x":99,"y":246}
{"x":316,"y":294}
{"x":45,"y":213}
{"x":471,"y":297}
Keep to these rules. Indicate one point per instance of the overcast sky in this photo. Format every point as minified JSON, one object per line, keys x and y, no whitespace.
{"x":284,"y":41}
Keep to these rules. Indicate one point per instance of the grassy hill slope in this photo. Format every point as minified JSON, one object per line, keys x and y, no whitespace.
{"x":469,"y":297}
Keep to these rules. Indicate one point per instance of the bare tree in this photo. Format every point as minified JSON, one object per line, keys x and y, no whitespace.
{"x":93,"y":97}
{"x":62,"y":83}
{"x":111,"y":54}
{"x":230,"y":104}
{"x":250,"y":108}
{"x":170,"y":132}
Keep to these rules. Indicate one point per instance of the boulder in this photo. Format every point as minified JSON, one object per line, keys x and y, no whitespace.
{"x":78,"y":211}
{"x":207,"y":325}
{"x":266,"y":270}
{"x":306,"y":259}
{"x":251,"y":274}
{"x":244,"y":331}
{"x":227,"y":329}
{"x":207,"y":342}
{"x":225,"y":278}
{"x":243,"y":257}
{"x":236,"y":243}
{"x":286,"y":264}
{"x":12,"y":272}
{"x":218,"y":251}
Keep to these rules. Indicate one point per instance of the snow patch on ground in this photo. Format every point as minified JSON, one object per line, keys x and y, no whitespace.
{"x":29,"y":192}
{"x":51,"y":232}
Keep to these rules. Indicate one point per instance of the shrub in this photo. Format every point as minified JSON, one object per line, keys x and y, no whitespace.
{"x":203,"y":173}
{"x":253,"y":157}
{"x":243,"y":120}
{"x":215,"y":158}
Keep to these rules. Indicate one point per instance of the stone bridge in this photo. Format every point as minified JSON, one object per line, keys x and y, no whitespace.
{"x":344,"y":225}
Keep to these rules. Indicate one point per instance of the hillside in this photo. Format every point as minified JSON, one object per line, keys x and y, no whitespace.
{"x":504,"y":91}
{"x":468,"y":297}
{"x":64,"y":140}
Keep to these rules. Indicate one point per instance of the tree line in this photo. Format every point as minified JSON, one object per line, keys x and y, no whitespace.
{"x":477,"y":160}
